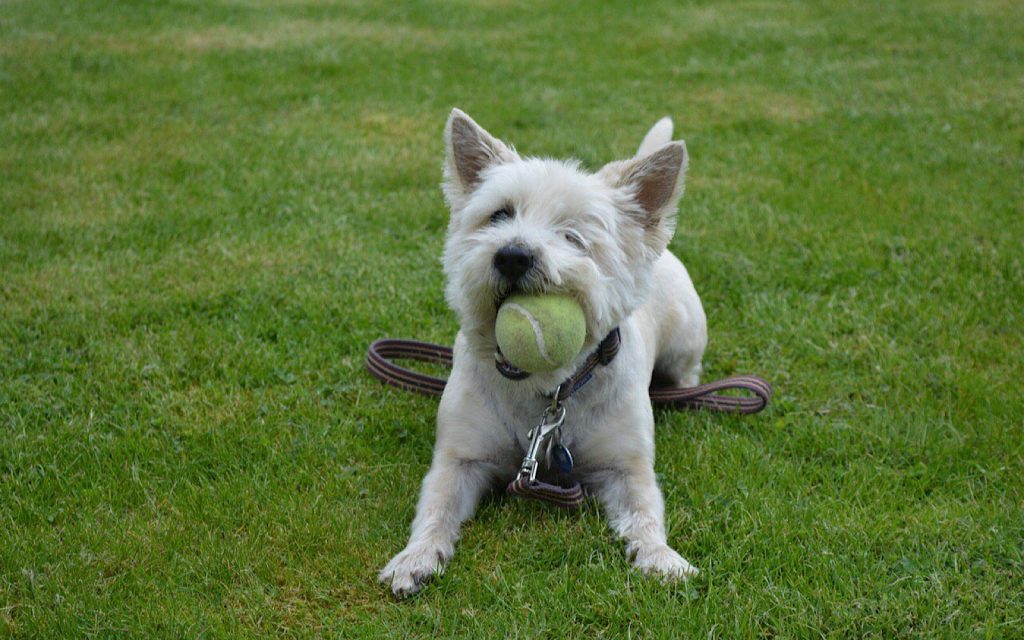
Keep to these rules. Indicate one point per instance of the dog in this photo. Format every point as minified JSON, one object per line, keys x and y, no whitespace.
{"x":521,"y":224}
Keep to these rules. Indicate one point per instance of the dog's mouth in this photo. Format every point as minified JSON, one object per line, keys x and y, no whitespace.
{"x":504,"y":291}
{"x":501,"y":294}
{"x":500,"y":297}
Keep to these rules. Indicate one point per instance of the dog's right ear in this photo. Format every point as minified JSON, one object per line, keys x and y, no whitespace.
{"x":653,"y":184}
{"x":469,"y":151}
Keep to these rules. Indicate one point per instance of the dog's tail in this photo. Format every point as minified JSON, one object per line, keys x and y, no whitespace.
{"x":659,"y":135}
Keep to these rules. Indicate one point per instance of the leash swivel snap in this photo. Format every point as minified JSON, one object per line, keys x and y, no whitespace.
{"x":555,"y":401}
{"x":551,"y":421}
{"x":526,"y":484}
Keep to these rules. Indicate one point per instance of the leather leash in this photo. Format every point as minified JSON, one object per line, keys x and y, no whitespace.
{"x":382,"y":352}
{"x":569,"y":494}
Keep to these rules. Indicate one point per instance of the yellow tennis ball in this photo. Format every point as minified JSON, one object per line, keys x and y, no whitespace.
{"x":540,"y":333}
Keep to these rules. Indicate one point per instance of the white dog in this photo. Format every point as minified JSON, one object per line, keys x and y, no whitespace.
{"x":535,"y":225}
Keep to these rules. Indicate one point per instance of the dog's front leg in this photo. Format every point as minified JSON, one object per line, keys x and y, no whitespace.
{"x":451,"y":490}
{"x":634,"y":505}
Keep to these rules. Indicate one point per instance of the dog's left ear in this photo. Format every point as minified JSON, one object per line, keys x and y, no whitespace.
{"x":654,"y":183}
{"x":469,"y":151}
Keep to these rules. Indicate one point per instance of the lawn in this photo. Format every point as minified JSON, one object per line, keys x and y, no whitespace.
{"x":208,"y":210}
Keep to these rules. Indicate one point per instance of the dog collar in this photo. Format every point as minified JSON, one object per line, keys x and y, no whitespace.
{"x":603,"y":355}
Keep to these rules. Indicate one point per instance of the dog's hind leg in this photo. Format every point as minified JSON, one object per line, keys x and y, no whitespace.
{"x":681,"y":326}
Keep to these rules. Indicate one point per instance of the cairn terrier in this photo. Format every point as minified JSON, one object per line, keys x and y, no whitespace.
{"x":531,"y":225}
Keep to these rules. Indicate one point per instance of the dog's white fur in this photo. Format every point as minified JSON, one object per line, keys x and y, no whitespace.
{"x":602,"y":238}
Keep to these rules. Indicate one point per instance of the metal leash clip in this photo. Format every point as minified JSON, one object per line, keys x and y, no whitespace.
{"x":551,"y":421}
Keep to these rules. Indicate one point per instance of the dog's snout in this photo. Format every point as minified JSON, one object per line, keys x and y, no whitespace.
{"x":512,"y":261}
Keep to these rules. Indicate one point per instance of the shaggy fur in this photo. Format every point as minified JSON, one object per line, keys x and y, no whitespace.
{"x":600,"y":237}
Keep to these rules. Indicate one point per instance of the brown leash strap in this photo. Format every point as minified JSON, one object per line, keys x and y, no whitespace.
{"x":570,"y":497}
{"x":378,"y":361}
{"x":705,"y":396}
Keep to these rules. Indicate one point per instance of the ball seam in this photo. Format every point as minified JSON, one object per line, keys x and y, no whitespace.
{"x":538,"y":333}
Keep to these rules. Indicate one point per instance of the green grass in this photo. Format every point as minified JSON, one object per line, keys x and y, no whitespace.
{"x":208,"y":209}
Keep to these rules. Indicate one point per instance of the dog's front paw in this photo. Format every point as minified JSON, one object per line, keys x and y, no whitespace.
{"x":411,"y":569}
{"x":663,"y":561}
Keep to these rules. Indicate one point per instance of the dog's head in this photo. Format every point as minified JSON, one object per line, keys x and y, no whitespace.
{"x":537,"y":225}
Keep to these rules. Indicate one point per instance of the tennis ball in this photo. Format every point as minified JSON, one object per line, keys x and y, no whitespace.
{"x":540,"y":333}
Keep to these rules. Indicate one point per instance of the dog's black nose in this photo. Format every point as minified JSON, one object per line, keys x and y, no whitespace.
{"x":513,"y":261}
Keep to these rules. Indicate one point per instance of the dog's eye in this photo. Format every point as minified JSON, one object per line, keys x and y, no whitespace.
{"x":503,"y":213}
{"x":575,"y":239}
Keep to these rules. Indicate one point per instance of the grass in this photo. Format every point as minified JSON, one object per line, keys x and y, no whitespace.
{"x":209,"y":209}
